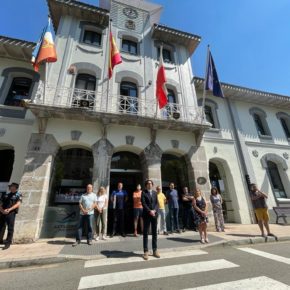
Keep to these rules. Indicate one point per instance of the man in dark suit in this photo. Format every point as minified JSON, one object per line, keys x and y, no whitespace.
{"x":150,"y":210}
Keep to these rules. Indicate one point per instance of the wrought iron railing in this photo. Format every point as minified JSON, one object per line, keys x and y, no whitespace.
{"x":116,"y":104}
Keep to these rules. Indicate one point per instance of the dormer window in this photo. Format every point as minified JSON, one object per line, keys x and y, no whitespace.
{"x":129,"y":46}
{"x":92,"y":37}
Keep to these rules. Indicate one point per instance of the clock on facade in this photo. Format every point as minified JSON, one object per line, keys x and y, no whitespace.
{"x":130,"y":12}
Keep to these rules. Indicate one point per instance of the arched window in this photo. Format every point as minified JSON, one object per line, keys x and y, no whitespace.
{"x":129,"y":98}
{"x":259,"y":117}
{"x":210,"y":112}
{"x":85,"y":82}
{"x":171,"y":107}
{"x":209,"y":115}
{"x":171,"y":97}
{"x":19,"y":90}
{"x":276,"y":181}
{"x":84,"y":92}
{"x":285,"y":126}
{"x":259,"y":124}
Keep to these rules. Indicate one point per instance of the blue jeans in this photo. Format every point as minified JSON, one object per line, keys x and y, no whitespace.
{"x":173,"y":214}
{"x":88,"y":219}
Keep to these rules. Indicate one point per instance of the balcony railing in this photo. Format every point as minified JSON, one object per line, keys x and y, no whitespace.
{"x":115,"y":104}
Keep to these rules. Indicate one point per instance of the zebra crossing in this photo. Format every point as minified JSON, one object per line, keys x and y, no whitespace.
{"x":172,"y":270}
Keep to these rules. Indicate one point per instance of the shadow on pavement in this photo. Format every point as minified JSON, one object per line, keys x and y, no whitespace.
{"x":60,"y":242}
{"x":182,"y":240}
{"x":119,"y":254}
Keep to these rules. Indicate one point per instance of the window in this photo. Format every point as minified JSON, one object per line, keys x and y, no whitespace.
{"x":285,"y":127}
{"x":84,"y":92}
{"x":128,"y":98}
{"x":275,"y":179}
{"x":259,"y":118}
{"x":129,"y":46}
{"x":209,"y":115}
{"x":19,"y":90}
{"x":166,"y":53}
{"x":259,"y":124}
{"x":171,"y":105}
{"x":85,"y":82}
{"x":92,"y":37}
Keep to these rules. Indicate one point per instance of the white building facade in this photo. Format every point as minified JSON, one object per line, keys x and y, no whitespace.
{"x":79,"y":127}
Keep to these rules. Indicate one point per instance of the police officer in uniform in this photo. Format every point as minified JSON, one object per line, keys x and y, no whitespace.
{"x":9,"y":204}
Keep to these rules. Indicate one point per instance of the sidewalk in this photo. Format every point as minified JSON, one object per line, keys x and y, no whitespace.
{"x":60,"y":250}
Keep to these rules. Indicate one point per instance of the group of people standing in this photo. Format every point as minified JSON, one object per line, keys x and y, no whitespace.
{"x":93,"y":209}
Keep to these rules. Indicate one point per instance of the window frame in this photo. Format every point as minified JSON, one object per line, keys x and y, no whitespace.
{"x":130,"y":106}
{"x":274,"y":167}
{"x":214,"y":112}
{"x":93,"y":32}
{"x":130,"y":43}
{"x":286,"y":119}
{"x":262,"y":118}
{"x":167,"y":50}
{"x":13,"y":81}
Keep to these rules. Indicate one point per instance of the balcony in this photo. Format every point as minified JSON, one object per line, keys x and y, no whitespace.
{"x":69,"y":103}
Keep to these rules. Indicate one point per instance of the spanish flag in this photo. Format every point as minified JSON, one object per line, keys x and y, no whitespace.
{"x":114,"y":55}
{"x":45,"y":48}
{"x":161,"y":90}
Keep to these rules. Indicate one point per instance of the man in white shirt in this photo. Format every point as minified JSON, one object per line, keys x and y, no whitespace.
{"x":87,"y":205}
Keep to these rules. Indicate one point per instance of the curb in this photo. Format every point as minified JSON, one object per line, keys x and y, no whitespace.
{"x":39,"y":261}
{"x":249,"y":241}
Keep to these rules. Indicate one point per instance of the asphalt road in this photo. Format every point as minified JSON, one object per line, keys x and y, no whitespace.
{"x":264,"y":266}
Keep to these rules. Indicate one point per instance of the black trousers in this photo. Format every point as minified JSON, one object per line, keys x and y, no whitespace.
{"x":119,"y":219}
{"x":150,"y":220}
{"x":8,"y":219}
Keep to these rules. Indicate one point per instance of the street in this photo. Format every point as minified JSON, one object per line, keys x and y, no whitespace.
{"x":262,"y":266}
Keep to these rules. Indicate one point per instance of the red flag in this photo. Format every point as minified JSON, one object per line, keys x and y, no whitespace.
{"x":114,"y":55}
{"x":161,"y":91}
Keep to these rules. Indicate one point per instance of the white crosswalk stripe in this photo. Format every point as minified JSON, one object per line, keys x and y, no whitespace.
{"x":261,"y":282}
{"x":153,"y":273}
{"x":115,"y":261}
{"x":266,"y":255}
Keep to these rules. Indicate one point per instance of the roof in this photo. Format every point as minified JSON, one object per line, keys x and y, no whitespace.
{"x":249,"y":95}
{"x":16,"y":48}
{"x":172,"y":35}
{"x":57,"y":8}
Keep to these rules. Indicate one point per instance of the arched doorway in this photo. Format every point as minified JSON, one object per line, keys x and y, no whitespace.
{"x":72,"y":171}
{"x":6,"y":161}
{"x":125,"y":168}
{"x":218,"y":178}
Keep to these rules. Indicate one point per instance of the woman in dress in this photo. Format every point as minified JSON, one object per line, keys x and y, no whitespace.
{"x":216,"y":201}
{"x":138,"y":209}
{"x":200,"y":206}
{"x":101,"y":213}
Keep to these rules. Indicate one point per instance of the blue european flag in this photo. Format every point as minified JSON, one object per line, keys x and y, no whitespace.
{"x":211,"y":78}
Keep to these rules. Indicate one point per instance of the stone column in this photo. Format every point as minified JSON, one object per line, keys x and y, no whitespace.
{"x":34,"y":186}
{"x":102,"y":152}
{"x":198,"y":174}
{"x":151,"y":163}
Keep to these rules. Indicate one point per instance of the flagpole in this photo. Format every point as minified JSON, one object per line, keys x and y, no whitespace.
{"x":204,"y":85}
{"x":156,"y":112}
{"x":45,"y":83}
{"x":108,"y":61}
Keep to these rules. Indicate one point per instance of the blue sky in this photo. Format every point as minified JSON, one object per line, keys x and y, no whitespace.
{"x":249,"y":39}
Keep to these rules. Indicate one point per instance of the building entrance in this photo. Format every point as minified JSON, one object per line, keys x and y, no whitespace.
{"x":125,"y":168}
